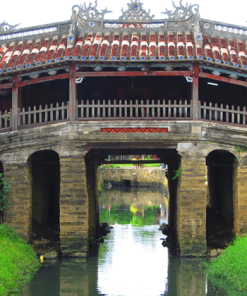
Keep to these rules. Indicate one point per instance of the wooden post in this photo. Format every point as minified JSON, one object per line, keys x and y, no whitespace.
{"x":72,"y":93}
{"x":195,"y":92}
{"x":15,"y":95}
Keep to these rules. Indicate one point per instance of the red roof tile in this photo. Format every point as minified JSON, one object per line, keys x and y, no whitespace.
{"x":123,"y":46}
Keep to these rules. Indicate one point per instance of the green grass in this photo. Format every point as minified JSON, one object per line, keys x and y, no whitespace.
{"x":18,"y":262}
{"x":229,"y":270}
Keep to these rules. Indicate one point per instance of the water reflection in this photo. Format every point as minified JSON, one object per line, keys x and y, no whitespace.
{"x":137,"y":207}
{"x":131,"y":261}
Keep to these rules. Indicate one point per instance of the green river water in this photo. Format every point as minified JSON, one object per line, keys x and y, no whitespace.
{"x":132,"y":260}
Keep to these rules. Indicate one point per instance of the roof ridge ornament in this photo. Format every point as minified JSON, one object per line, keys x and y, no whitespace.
{"x":182,"y":12}
{"x":89,"y":13}
{"x":135,"y":12}
{"x":4,"y":27}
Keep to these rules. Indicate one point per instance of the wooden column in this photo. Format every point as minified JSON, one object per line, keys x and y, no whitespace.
{"x":15,"y":96}
{"x":72,"y":93}
{"x":195,"y":92}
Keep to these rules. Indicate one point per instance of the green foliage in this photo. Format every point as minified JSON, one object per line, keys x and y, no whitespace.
{"x":121,"y":215}
{"x":178,"y":172}
{"x":4,"y":192}
{"x":239,"y":150}
{"x":230,"y":268}
{"x":18,"y":262}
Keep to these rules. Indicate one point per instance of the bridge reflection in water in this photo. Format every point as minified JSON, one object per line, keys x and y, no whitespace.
{"x":131,"y":261}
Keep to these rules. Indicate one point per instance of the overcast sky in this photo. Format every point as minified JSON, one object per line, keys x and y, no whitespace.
{"x":32,"y":13}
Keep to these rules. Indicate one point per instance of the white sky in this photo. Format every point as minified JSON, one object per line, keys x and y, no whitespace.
{"x":32,"y":13}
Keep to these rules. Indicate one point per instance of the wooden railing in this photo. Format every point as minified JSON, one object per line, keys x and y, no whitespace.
{"x":5,"y":119}
{"x":125,"y":110}
{"x":38,"y":116}
{"x":133,"y":110}
{"x":223,"y":114}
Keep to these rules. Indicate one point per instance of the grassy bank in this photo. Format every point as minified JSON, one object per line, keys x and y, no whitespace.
{"x":229,"y":270}
{"x":18,"y":262}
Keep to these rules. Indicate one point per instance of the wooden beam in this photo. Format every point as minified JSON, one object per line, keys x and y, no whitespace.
{"x":14,"y":110}
{"x":222,"y":79}
{"x":6,"y":86}
{"x":43,"y":79}
{"x":72,"y":93}
{"x":133,"y":73}
{"x":195,"y":92}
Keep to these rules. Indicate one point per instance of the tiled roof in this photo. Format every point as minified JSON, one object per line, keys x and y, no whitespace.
{"x":122,"y":47}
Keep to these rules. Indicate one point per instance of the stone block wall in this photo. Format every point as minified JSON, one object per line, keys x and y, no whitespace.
{"x":73,"y":205}
{"x":240,"y":196}
{"x":19,"y":213}
{"x":138,"y":177}
{"x":191,"y":205}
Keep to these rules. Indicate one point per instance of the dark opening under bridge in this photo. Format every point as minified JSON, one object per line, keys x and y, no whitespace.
{"x":86,"y":89}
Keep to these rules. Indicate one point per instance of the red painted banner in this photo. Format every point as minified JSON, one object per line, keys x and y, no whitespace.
{"x":134,"y":130}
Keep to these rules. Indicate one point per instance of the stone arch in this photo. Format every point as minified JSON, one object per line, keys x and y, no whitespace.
{"x":220,"y":213}
{"x":45,"y":174}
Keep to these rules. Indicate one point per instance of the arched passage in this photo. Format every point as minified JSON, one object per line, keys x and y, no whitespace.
{"x":96,"y":157}
{"x":45,"y":194}
{"x":220,"y":198}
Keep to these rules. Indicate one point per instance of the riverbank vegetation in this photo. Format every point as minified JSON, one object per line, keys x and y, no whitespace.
{"x":229,"y":270}
{"x":18,"y":262}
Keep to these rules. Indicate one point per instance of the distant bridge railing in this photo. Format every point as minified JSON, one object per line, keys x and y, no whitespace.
{"x":124,"y":110}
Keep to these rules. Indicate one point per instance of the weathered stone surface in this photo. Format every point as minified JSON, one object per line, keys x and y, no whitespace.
{"x":71,"y":143}
{"x":137,"y":177}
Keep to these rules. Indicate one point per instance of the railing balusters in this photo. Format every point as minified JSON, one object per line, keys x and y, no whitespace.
{"x":227,"y":113}
{"x":51,"y":112}
{"x":244,"y":115}
{"x":98,"y":108}
{"x":57,"y":112}
{"x":136,"y":108}
{"x":164,"y":108}
{"x":109,"y":108}
{"x":103,"y":108}
{"x":93,"y":107}
{"x":125,"y":108}
{"x":131,"y":109}
{"x":120,"y":109}
{"x":87,"y":109}
{"x":29,"y":116}
{"x":175,"y":109}
{"x":158,"y":109}
{"x":6,"y":118}
{"x":46,"y":113}
{"x":180,"y":109}
{"x":145,"y":109}
{"x":142,"y":109}
{"x":233,"y":115}
{"x":210,"y":111}
{"x":169,"y":108}
{"x":114,"y":109}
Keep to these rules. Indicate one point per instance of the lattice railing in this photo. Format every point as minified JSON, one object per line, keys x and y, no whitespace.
{"x":126,"y":110}
{"x":233,"y":114}
{"x":48,"y":114}
{"x":5,"y":119}
{"x":149,"y":109}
